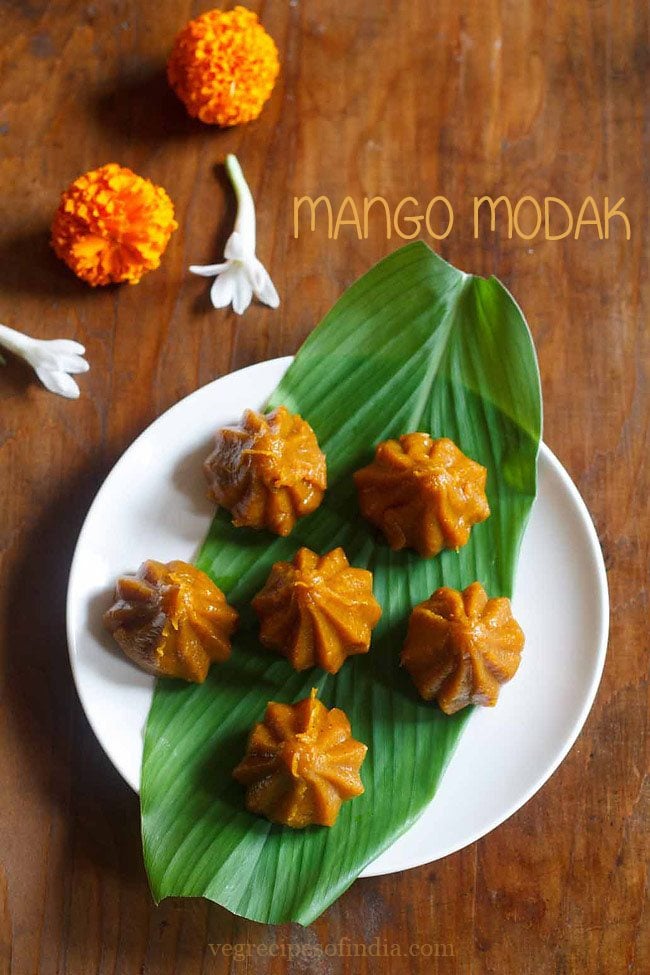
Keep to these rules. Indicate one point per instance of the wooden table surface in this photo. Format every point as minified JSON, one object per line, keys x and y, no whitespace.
{"x":384,"y":98}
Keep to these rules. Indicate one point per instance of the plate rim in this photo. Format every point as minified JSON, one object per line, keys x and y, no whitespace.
{"x":602,"y":597}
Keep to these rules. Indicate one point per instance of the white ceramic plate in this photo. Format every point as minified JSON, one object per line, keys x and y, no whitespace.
{"x":153,"y":505}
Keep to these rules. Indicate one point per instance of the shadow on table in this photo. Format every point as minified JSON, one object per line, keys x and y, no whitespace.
{"x":15,"y":376}
{"x":214,"y":253}
{"x":58,"y":751}
{"x":28,"y":265}
{"x":227,"y":223}
{"x":59,"y":761}
{"x":141,"y":105}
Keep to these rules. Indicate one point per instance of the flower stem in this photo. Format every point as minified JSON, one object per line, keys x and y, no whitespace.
{"x":245,"y":220}
{"x":12,"y":340}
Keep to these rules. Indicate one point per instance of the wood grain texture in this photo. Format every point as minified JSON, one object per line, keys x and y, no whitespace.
{"x":394,"y":98}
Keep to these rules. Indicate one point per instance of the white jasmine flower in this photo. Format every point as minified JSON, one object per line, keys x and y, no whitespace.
{"x":241,"y":275}
{"x":53,"y":360}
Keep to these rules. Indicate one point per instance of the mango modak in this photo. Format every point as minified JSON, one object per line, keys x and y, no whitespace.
{"x":268,"y":471}
{"x":461,"y":647}
{"x":423,"y":493}
{"x":301,"y":764}
{"x":171,"y":620}
{"x":317,"y":610}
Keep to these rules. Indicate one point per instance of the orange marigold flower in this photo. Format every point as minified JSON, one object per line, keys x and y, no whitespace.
{"x":223,"y":66}
{"x":112,"y":225}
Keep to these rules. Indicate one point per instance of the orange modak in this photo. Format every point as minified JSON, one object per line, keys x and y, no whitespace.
{"x":317,"y":610}
{"x":112,"y":226}
{"x":301,"y":764}
{"x":268,"y":470}
{"x":223,"y":66}
{"x":171,"y":620}
{"x":461,"y":647}
{"x":423,"y":493}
